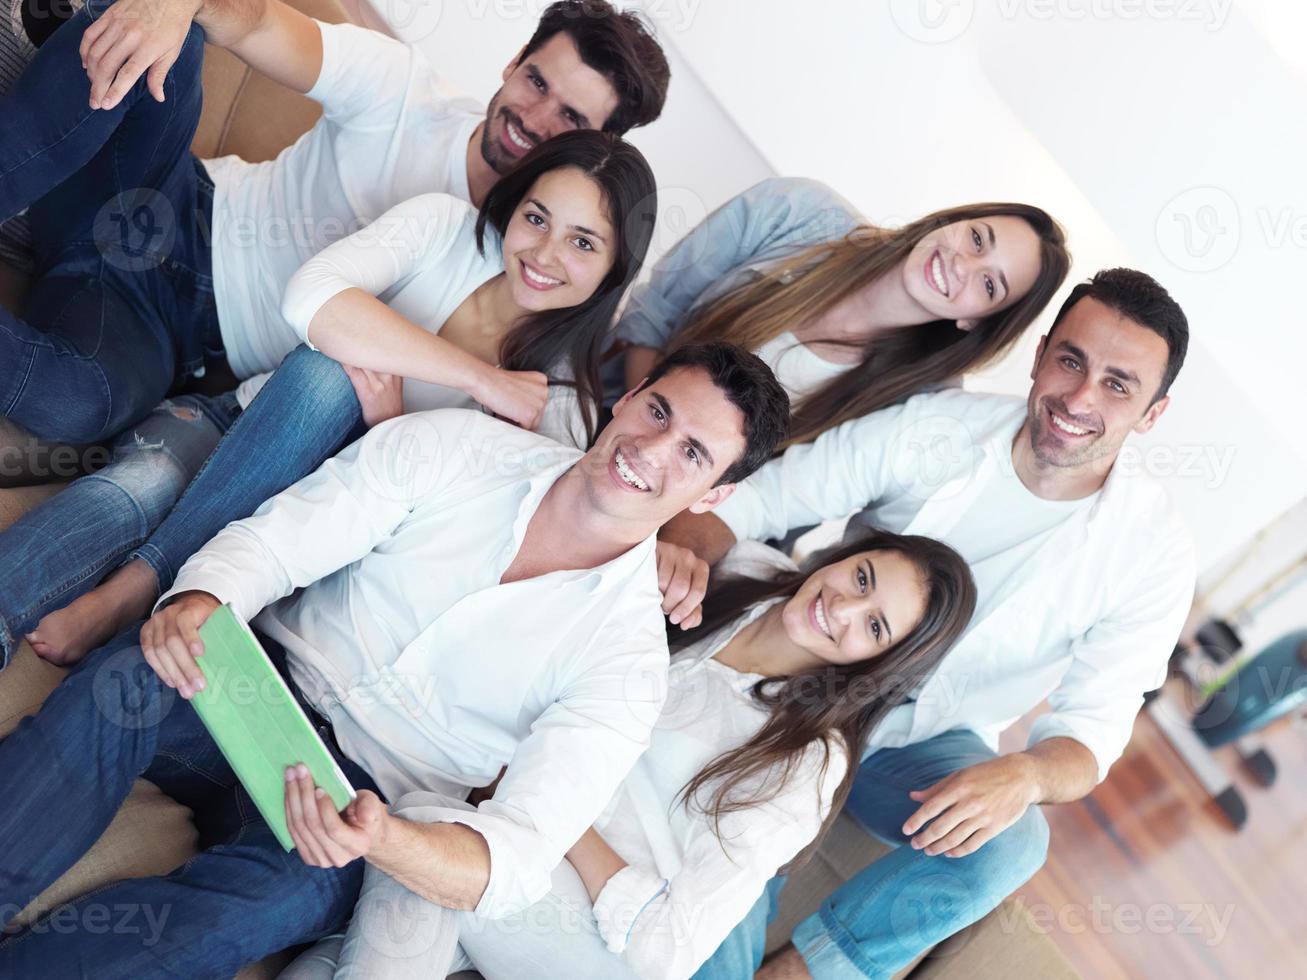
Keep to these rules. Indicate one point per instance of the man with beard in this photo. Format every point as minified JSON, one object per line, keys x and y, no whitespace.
{"x":1085,"y":575}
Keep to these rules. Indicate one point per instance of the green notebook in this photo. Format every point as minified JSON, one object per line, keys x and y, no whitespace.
{"x":256,"y":721}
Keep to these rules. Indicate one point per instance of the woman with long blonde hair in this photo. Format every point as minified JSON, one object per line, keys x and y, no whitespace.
{"x":852,"y":317}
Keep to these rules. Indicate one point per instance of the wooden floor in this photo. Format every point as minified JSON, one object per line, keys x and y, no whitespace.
{"x":1145,"y":878}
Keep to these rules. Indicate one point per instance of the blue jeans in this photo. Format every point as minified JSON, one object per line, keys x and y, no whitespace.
{"x":904,"y":903}
{"x":69,"y":768}
{"x":61,"y":549}
{"x":120,"y":211}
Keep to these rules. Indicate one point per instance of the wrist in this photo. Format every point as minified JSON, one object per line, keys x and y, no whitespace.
{"x":1032,"y":776}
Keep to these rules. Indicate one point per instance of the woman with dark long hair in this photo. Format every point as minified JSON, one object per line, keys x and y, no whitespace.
{"x":432,"y":305}
{"x":852,"y":317}
{"x":768,"y":701}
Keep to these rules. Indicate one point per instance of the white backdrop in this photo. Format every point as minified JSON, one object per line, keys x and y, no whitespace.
{"x":1164,"y":134}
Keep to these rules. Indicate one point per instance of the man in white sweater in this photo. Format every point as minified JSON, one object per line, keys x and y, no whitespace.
{"x":449,"y":596}
{"x":1085,"y":576}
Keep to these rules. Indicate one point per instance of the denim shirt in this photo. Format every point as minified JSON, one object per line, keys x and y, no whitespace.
{"x":752,"y":232}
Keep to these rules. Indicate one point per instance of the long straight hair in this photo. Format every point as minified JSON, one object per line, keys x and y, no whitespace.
{"x":834,"y":704}
{"x":895,"y":364}
{"x":575,"y":336}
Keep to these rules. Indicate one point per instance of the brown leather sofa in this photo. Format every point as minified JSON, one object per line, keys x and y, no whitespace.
{"x":247,"y":114}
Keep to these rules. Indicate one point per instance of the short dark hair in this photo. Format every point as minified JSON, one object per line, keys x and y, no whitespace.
{"x":748,"y":382}
{"x":1140,"y":298}
{"x":619,"y":45}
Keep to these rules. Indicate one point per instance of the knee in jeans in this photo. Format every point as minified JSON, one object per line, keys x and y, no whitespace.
{"x":316,"y":378}
{"x":1016,"y":854}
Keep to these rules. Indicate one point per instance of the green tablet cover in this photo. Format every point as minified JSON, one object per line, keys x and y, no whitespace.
{"x":256,"y":721}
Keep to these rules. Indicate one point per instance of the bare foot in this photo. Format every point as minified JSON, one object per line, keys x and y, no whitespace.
{"x":784,"y":964}
{"x":66,"y":635}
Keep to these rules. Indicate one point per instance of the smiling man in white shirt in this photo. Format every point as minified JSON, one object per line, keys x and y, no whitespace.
{"x":1085,"y":576}
{"x":449,"y":596}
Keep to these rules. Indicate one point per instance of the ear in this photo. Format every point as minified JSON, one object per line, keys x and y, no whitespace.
{"x":1039,"y":356}
{"x":513,"y":63}
{"x":966,"y":326}
{"x":1152,"y":415}
{"x":711,"y":499}
{"x":621,"y":402}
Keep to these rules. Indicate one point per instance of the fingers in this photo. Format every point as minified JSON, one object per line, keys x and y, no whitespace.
{"x":309,"y":850}
{"x":127,"y":76}
{"x":973,"y":843}
{"x":956,"y":837}
{"x":693,"y":598}
{"x":158,"y":74}
{"x":678,"y":587}
{"x":932,"y":804}
{"x":183,"y":664}
{"x":105,"y":69}
{"x":93,"y":33}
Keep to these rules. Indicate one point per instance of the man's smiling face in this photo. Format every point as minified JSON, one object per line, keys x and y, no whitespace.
{"x":550,"y":92}
{"x":1095,"y":379}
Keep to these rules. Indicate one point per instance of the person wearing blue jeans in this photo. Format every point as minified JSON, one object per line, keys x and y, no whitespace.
{"x":1084,"y":576}
{"x":907,"y":901}
{"x":148,"y":503}
{"x":122,"y":300}
{"x":242,"y":898}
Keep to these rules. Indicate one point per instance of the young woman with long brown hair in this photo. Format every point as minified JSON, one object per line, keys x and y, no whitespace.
{"x":852,"y":317}
{"x":767,"y":701}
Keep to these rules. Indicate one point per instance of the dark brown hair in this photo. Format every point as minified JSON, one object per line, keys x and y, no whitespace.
{"x":1141,"y":299}
{"x":898,"y":363}
{"x":749,"y":385}
{"x":835,"y":705}
{"x":618,"y":45}
{"x":575,"y":335}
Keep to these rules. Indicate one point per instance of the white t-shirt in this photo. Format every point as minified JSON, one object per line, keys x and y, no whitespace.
{"x":1004,"y":529}
{"x":797,"y":368}
{"x":389,"y":131}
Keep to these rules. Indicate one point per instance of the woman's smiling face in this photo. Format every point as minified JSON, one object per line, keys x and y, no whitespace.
{"x":559,"y":244}
{"x":857,"y":608}
{"x":970,"y":269}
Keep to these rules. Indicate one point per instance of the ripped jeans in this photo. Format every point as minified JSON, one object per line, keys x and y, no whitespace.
{"x":64,"y":547}
{"x":193,"y":466}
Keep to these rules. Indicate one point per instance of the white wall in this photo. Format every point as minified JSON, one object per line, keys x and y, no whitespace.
{"x":1132,"y":121}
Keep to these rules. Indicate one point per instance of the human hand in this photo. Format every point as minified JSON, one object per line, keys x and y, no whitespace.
{"x":381,"y":396}
{"x":323,"y":837}
{"x":171,"y":641}
{"x":131,"y":38}
{"x":966,"y":810}
{"x":683,"y":581}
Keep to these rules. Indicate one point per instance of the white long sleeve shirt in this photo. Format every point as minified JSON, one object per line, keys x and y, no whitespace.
{"x":1083,"y":610}
{"x":685,"y":887}
{"x":391,"y":129}
{"x":380,"y":575}
{"x":421,"y":259}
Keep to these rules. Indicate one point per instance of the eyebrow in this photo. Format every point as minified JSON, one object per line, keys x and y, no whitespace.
{"x":1120,"y":374}
{"x":1002,"y":276}
{"x":582,"y":120}
{"x":581,"y":228}
{"x":698,"y":446}
{"x":871,"y":573}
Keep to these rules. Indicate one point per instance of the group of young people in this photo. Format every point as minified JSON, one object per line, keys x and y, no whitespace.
{"x":503,"y":533}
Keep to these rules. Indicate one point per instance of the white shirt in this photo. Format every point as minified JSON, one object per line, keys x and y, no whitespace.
{"x":685,"y":888}
{"x":1087,"y":618}
{"x":390,"y":130}
{"x":433,"y":674}
{"x":421,"y":259}
{"x":799,"y":370}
